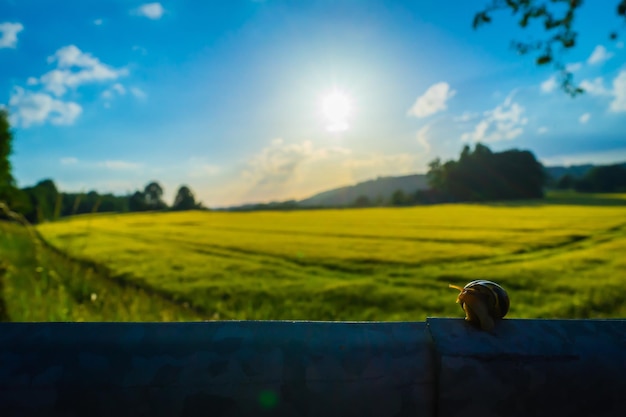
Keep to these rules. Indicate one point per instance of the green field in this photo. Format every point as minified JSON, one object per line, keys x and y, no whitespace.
{"x":38,"y":284}
{"x":556,"y":260}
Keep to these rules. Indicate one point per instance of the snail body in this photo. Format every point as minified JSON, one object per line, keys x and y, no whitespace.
{"x":484,"y":302}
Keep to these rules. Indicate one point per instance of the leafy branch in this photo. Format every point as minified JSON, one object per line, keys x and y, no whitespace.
{"x":558,"y":24}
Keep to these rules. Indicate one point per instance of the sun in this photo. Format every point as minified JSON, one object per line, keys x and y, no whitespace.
{"x":336,"y":109}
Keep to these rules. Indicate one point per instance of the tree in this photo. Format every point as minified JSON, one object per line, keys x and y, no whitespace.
{"x":603,"y":179}
{"x":557,"y":18}
{"x":185,"y":199}
{"x":481,"y":175}
{"x":153,"y":193}
{"x":7,"y":183}
{"x":137,"y":202}
{"x":43,"y":200}
{"x":399,"y":198}
{"x":362,"y":201}
{"x":436,"y":174}
{"x":566,"y":182}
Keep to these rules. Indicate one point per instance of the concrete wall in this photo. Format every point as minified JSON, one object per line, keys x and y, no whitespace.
{"x":441,"y":367}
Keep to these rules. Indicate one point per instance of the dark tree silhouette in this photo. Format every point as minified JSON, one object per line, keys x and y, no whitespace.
{"x":43,"y":200}
{"x":399,"y":198}
{"x":603,"y":179}
{"x":153,"y":193}
{"x":566,"y":182}
{"x":435,"y":175}
{"x":93,"y":202}
{"x":137,"y":202}
{"x":557,"y":18}
{"x":362,"y":201}
{"x":185,"y":199}
{"x":7,"y":183}
{"x":481,"y":175}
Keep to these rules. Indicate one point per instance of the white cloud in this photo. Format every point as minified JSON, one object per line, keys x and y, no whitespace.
{"x":8,"y":34}
{"x":37,"y":108}
{"x":70,"y":160}
{"x":32,"y":81}
{"x":70,"y":56}
{"x":98,"y":22}
{"x":205,"y":170}
{"x":542,"y":130}
{"x":284,"y":170}
{"x":599,"y":55}
{"x":584,"y":118}
{"x":294,"y":170}
{"x":595,"y":87}
{"x":466,"y":117}
{"x":138,"y":93}
{"x":282,"y":164}
{"x":574,"y":66}
{"x":200,"y":168}
{"x":75,"y":68}
{"x":152,"y":11}
{"x":603,"y":157}
{"x":119,"y":88}
{"x":432,"y":101}
{"x":422,"y":139}
{"x":277,"y":163}
{"x":549,"y":85}
{"x":619,"y":92}
{"x":116,"y":89}
{"x":505,"y":122}
{"x":140,"y":49}
{"x":112,"y":165}
{"x":117,"y":165}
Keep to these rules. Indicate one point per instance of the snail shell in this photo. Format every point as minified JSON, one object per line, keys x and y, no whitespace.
{"x":484,"y":302}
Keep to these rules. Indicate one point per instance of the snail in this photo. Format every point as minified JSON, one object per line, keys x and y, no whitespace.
{"x":484,"y":302}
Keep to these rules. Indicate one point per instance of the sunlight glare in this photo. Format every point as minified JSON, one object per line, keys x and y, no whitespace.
{"x":337,"y":107}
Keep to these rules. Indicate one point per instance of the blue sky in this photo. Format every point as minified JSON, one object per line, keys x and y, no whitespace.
{"x":249,"y":101}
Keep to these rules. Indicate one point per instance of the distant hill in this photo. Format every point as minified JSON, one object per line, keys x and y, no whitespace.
{"x":576,"y":171}
{"x":379,"y":189}
{"x":383,"y":187}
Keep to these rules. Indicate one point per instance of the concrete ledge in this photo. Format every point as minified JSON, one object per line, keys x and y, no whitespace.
{"x":216,"y":369}
{"x":531,"y":368}
{"x":442,"y":367}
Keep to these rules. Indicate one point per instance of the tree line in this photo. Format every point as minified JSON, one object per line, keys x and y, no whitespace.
{"x":482,"y":175}
{"x":478,"y":175}
{"x":44,"y":201}
{"x":599,"y":179}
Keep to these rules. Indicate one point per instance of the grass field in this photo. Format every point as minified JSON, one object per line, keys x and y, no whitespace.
{"x":556,"y":260}
{"x":38,"y":284}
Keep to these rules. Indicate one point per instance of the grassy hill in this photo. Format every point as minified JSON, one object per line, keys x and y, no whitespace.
{"x":556,"y":260}
{"x":379,"y":189}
